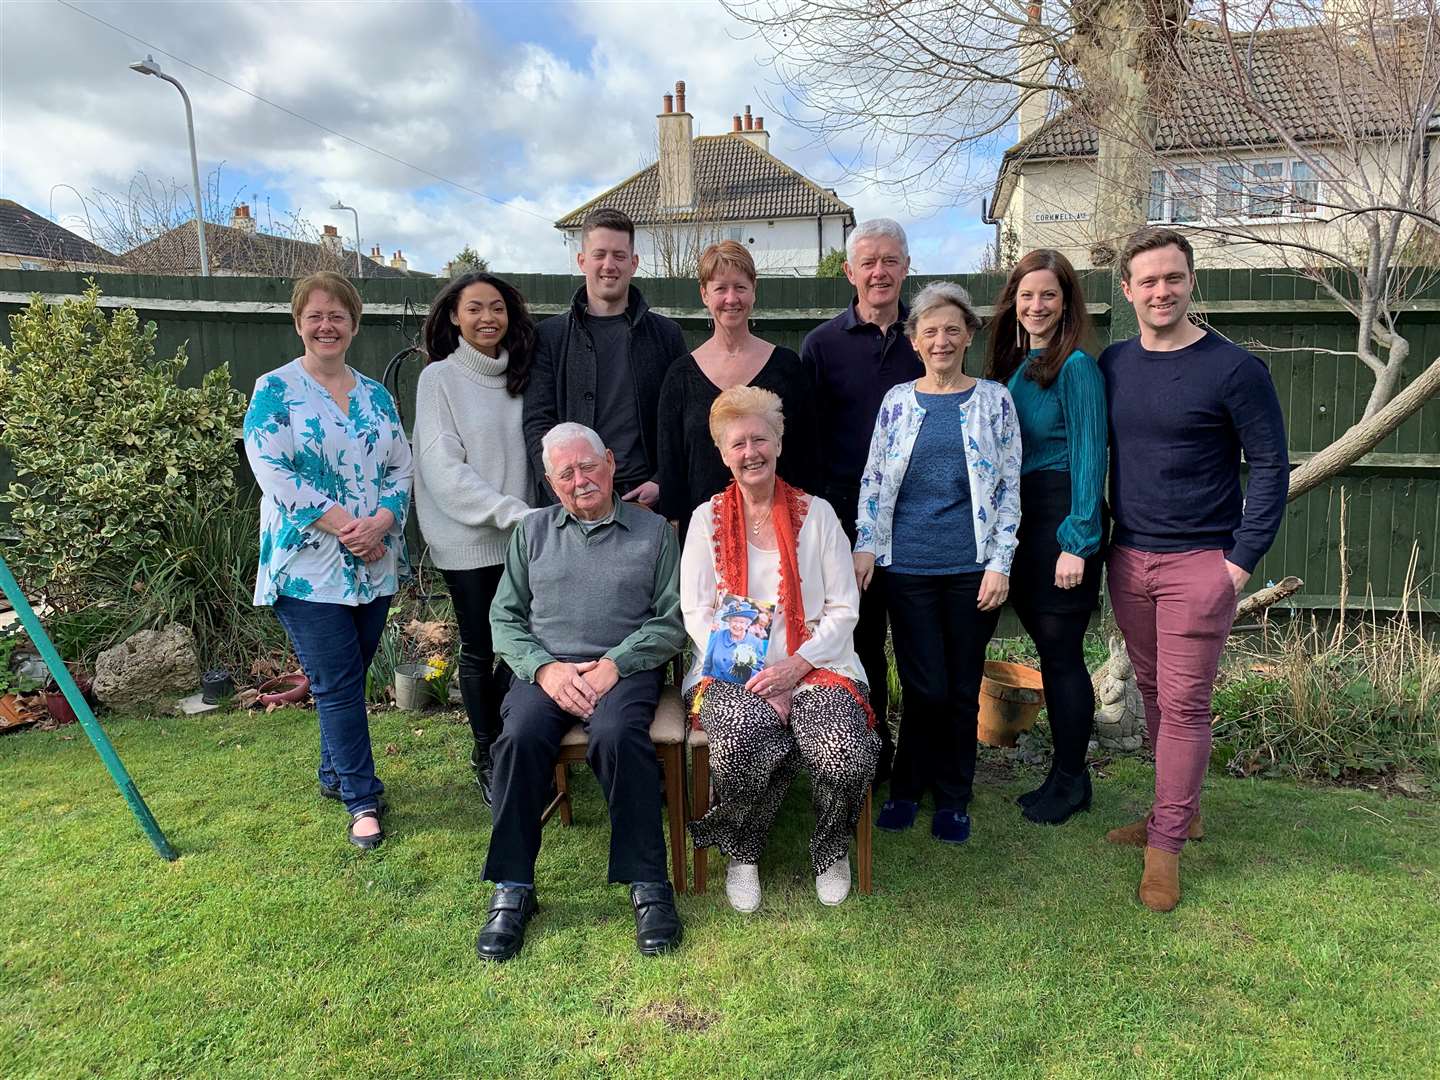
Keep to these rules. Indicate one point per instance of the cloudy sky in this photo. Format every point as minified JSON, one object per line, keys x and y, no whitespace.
{"x":527,"y":109}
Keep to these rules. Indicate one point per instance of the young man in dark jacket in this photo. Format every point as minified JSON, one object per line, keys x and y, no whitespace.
{"x":1184,"y":403}
{"x":601,"y":363}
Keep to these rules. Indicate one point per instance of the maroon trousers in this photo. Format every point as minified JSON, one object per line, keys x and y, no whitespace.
{"x":1175,"y":610}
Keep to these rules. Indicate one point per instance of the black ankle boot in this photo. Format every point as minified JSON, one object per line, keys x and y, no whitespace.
{"x":1030,"y":798}
{"x":484,"y":768}
{"x":1069,"y":794}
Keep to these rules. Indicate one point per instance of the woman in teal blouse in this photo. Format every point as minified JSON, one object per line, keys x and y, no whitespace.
{"x":1036,"y":340}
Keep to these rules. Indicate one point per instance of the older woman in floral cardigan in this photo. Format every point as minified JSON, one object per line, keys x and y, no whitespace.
{"x":938,"y":515}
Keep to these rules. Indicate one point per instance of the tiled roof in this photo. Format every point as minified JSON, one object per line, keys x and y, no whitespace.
{"x":1293,"y":76}
{"x":23,"y":232}
{"x":734,"y":181}
{"x":238,"y":251}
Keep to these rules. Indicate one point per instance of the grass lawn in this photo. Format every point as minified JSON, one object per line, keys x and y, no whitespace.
{"x":1307,"y":943}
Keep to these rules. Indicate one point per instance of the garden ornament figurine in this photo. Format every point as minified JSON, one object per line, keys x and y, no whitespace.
{"x":1119,"y":712}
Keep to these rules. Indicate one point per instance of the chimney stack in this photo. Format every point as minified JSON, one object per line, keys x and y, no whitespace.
{"x":753,"y":130}
{"x":1034,"y":67}
{"x":242,"y":220}
{"x":397,"y":262}
{"x":330,"y":240}
{"x":376,"y":255}
{"x":677,"y":163}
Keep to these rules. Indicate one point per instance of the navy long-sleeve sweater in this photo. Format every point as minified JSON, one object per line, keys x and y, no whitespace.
{"x":1178,"y":423}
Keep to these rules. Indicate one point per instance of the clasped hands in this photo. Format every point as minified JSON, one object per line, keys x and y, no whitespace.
{"x":363,"y":537}
{"x":577,"y":688}
{"x":776,"y":683}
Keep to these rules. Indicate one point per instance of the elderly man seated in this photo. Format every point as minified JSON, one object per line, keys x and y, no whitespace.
{"x":586,"y":616}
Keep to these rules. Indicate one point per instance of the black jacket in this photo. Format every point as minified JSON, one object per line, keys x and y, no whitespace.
{"x":563,"y":375}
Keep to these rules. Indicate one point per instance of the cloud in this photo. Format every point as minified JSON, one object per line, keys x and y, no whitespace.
{"x":540,"y":106}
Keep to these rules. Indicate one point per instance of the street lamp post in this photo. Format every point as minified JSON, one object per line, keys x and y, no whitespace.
{"x":148,"y":66}
{"x":359,"y":266}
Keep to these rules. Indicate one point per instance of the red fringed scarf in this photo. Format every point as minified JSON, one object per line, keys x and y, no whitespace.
{"x":732,"y":571}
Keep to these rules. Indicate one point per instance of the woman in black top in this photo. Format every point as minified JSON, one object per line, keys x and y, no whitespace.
{"x":690,"y":467}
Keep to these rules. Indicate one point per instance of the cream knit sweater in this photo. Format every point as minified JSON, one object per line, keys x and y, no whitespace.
{"x":472,"y":476}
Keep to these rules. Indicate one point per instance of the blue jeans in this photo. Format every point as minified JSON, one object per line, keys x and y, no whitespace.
{"x":335,"y":644}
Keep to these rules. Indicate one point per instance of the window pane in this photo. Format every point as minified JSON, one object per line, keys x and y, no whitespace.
{"x":1187,"y":194}
{"x":1267,"y":188}
{"x":1157,"y":197}
{"x":1305,"y":188}
{"x":1230,"y":196}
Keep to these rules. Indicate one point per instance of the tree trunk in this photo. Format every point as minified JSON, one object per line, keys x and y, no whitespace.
{"x":1388,"y":381}
{"x":1121,"y":51}
{"x":1366,"y":435}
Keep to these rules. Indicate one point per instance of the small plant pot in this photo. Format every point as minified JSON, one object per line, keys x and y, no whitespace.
{"x":284,"y":689}
{"x":411,"y":690}
{"x":1010,"y":699}
{"x":216,"y":686}
{"x":58,"y":706}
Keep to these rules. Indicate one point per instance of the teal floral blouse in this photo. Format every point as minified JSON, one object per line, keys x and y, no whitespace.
{"x":308,"y":456}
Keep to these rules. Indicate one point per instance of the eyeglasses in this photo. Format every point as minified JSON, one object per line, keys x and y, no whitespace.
{"x":588,"y":469}
{"x":315,"y":318}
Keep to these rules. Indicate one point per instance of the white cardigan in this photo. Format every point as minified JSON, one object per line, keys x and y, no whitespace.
{"x":827,"y":585}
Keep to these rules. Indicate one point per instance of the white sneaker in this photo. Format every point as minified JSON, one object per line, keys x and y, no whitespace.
{"x":742,"y":886}
{"x":833,"y":886}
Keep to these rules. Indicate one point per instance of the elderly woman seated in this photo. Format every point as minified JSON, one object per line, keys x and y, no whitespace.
{"x":763,"y":546}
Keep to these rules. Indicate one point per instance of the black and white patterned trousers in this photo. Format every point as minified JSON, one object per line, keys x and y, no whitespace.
{"x":754,"y":755}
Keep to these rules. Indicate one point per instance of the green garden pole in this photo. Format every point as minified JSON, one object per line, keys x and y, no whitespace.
{"x":77,"y":701}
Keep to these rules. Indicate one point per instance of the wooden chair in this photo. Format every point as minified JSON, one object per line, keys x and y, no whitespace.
{"x":700,"y":802}
{"x":667,"y":732}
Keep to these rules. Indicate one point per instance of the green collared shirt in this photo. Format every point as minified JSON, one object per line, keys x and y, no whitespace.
{"x":617,"y":581}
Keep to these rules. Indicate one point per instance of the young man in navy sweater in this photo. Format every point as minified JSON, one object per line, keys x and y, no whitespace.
{"x":1184,"y":403}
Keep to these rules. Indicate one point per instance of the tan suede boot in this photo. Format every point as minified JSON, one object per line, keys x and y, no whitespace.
{"x":1136,"y":833}
{"x":1160,"y":883}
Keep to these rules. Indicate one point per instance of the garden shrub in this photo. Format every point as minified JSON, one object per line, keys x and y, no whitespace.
{"x":108,"y":450}
{"x":1328,"y":705}
{"x":201,"y":574}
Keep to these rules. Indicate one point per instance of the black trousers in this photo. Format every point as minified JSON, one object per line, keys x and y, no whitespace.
{"x":482,"y":682}
{"x":940,"y":638}
{"x":620,"y":753}
{"x":870,"y":630}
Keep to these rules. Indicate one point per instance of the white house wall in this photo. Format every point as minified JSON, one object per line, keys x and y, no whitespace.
{"x":783,"y":247}
{"x":1053,"y":202}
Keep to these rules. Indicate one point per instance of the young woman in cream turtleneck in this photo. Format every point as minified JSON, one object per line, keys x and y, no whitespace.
{"x":472,"y":478}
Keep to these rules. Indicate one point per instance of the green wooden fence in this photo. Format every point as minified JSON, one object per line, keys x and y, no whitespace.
{"x":1393,"y":494}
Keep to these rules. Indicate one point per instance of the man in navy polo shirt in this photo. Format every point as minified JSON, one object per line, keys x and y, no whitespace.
{"x":854,"y":359}
{"x":1183,"y":403}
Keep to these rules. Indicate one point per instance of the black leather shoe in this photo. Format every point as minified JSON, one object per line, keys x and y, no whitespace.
{"x":484,"y":770}
{"x":657,"y":923}
{"x":504,"y":930}
{"x":366,"y":842}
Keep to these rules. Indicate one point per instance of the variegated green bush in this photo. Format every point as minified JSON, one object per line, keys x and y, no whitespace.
{"x":107,"y":448}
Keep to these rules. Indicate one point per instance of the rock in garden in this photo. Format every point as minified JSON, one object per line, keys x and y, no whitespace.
{"x":146,"y":666}
{"x":1120,"y":712}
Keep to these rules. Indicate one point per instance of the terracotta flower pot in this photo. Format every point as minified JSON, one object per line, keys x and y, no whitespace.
{"x":1010,"y":699}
